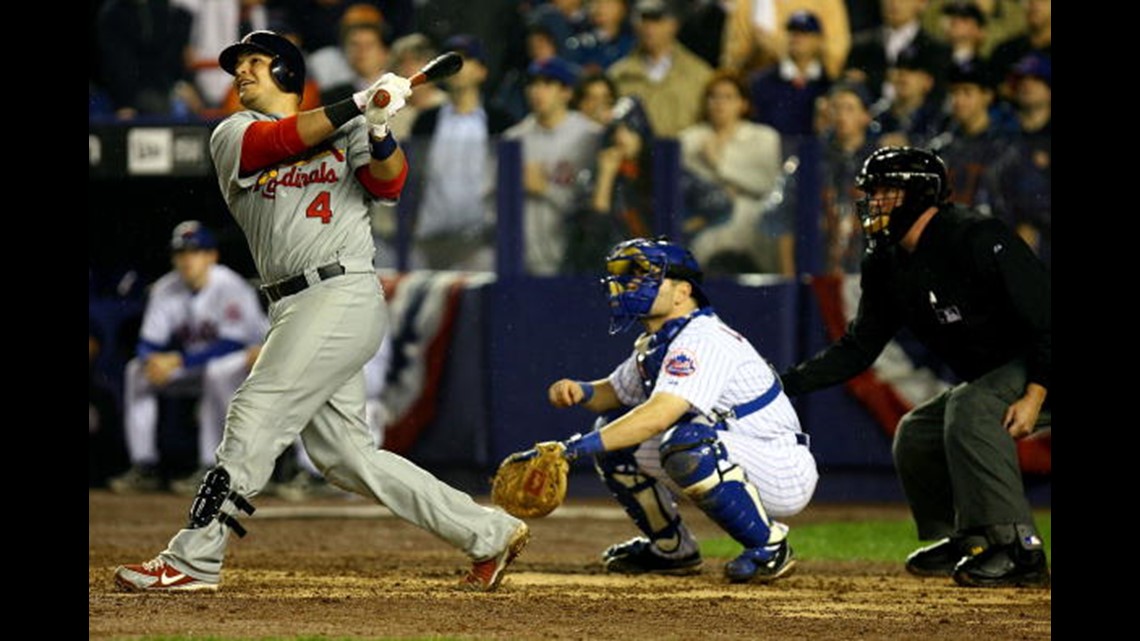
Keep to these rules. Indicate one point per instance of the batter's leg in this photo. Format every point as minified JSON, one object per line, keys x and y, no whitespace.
{"x":339,"y":442}
{"x":220,"y":382}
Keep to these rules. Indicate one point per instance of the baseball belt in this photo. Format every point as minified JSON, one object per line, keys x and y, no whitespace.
{"x":300,"y":282}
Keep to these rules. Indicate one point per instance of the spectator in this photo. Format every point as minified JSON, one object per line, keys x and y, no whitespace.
{"x":608,"y":39}
{"x":620,"y":204}
{"x":1037,"y":38}
{"x":662,"y":73}
{"x":408,"y":55}
{"x":755,"y":37}
{"x":557,"y":145}
{"x":976,"y":145}
{"x":702,"y":28}
{"x":914,"y":113}
{"x":365,"y":49}
{"x":785,"y":96}
{"x":142,"y":44}
{"x":541,"y":45}
{"x":1003,"y":20}
{"x":201,"y":333}
{"x":1026,"y":184}
{"x":726,"y":151}
{"x":321,"y":37}
{"x":849,"y":139}
{"x":214,"y":26}
{"x":563,"y":19}
{"x":594,"y":97}
{"x":874,"y":52}
{"x":453,"y":227}
{"x":964,"y":31}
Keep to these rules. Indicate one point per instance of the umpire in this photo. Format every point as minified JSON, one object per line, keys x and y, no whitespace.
{"x":975,"y":294}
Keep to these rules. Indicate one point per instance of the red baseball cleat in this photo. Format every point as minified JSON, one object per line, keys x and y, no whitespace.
{"x":157,"y":575}
{"x":486,"y":575}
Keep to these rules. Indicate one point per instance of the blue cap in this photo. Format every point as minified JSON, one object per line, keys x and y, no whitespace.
{"x":190,"y":235}
{"x":1037,"y":65}
{"x":554,"y":69}
{"x":468,"y":45}
{"x":804,"y":22}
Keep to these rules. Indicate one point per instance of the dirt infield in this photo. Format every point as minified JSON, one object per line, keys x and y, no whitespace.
{"x":376,"y":576}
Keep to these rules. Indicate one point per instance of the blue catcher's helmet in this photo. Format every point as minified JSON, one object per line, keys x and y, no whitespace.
{"x":636,"y":269}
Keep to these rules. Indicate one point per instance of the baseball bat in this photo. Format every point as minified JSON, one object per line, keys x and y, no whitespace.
{"x":442,"y":66}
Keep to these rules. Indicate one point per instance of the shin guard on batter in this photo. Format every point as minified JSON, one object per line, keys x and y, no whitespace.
{"x":212,"y":496}
{"x":696,"y":460}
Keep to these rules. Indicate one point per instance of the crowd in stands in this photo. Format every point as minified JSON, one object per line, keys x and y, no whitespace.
{"x":588,"y":86}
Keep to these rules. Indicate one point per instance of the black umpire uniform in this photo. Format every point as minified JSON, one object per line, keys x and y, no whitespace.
{"x":975,"y":294}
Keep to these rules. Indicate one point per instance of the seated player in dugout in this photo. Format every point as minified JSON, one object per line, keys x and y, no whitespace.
{"x":709,"y":421}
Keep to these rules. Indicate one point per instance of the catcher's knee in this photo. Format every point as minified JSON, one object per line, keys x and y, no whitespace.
{"x":212,"y":495}
{"x":691,"y":456}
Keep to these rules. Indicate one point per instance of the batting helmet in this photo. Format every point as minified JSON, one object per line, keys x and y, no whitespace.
{"x":287,"y":68}
{"x":919,"y":173}
{"x":636,"y":269}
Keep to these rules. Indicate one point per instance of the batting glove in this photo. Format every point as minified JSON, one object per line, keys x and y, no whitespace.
{"x":398,"y":88}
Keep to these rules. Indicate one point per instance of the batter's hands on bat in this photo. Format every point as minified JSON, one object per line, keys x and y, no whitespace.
{"x":566,"y":393}
{"x":398,"y":88}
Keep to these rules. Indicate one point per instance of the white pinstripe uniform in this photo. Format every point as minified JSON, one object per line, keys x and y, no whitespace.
{"x":227,"y":307}
{"x":715,"y":368}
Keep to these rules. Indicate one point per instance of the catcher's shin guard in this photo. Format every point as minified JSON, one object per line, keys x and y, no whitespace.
{"x":694,"y":457}
{"x":212,"y":495}
{"x":649,"y":503}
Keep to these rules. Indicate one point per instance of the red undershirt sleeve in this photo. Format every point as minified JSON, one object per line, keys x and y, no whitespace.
{"x":268,"y":142}
{"x":386,"y":189}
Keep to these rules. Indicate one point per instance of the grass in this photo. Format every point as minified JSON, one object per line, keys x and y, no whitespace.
{"x":872,"y":540}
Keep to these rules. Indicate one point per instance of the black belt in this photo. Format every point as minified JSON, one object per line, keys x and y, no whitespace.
{"x":299,"y":283}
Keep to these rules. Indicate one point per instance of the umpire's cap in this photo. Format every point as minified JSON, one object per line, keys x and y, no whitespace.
{"x":191,"y":235}
{"x":288,"y":67}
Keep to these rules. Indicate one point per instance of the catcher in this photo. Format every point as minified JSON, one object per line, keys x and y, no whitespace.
{"x":693,"y":411}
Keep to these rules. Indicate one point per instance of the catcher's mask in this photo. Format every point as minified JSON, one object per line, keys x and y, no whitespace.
{"x":910,"y":181}
{"x":636,"y":270}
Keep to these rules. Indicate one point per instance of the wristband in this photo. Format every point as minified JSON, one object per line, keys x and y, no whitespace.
{"x":383,"y":148}
{"x":578,"y":445}
{"x":341,"y":112}
{"x":587,"y":391}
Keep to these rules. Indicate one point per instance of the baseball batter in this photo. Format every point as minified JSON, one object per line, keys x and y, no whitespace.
{"x":299,"y":185}
{"x":709,"y":420}
{"x":201,"y":331}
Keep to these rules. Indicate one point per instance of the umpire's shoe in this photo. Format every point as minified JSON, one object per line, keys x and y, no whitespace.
{"x":762,"y":565}
{"x":1004,"y":566}
{"x":940,"y":558}
{"x":640,"y":556}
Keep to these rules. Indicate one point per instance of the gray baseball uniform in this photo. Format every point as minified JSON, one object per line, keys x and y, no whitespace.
{"x":298,"y":216}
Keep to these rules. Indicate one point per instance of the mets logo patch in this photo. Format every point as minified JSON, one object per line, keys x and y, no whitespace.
{"x":680,"y":362}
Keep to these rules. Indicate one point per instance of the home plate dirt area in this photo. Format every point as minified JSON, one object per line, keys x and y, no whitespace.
{"x":342,"y":568}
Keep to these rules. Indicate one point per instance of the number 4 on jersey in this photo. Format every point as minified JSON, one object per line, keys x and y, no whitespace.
{"x":320,"y":208}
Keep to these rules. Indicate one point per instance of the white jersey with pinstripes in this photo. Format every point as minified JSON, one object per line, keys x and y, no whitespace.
{"x":714,"y":368}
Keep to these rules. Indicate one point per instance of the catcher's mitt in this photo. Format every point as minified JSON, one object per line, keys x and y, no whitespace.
{"x":532,"y":484}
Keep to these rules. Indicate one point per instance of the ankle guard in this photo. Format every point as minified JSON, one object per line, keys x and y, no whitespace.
{"x":212,"y":495}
